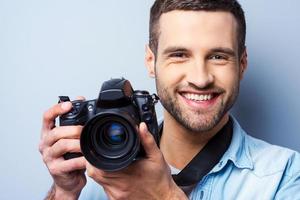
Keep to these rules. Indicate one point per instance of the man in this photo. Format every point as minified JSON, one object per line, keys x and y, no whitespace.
{"x":198,"y":57}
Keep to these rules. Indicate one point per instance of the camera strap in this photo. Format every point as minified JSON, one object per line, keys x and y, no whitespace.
{"x":205,"y":160}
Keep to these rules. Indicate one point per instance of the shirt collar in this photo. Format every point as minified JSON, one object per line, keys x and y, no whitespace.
{"x":238,"y":151}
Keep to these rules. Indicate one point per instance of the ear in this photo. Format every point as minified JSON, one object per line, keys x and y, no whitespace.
{"x":150,"y":61}
{"x":243,"y":63}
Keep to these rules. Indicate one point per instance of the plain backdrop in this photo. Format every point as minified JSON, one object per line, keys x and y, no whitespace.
{"x":69,"y":47}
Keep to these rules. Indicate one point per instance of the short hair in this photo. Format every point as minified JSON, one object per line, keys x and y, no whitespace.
{"x":163,"y":6}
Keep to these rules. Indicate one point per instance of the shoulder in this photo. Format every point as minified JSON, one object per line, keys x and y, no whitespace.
{"x":265,"y":158}
{"x":269,"y":159}
{"x":279,"y":165}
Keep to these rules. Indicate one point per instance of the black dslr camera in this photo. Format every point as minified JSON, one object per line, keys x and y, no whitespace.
{"x":109,"y":139}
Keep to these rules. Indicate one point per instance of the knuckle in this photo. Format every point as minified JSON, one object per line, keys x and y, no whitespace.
{"x":51,"y":113}
{"x":55,"y":134}
{"x":46,"y":156}
{"x":150,"y":142}
{"x":150,"y":139}
{"x":45,"y":159}
{"x":48,"y":139}
{"x":96,"y":174}
{"x":121,"y":195}
{"x":62,"y":144}
{"x":53,"y":169}
{"x":46,"y":115}
{"x":41,"y":147}
{"x":160,"y":156}
{"x":76,"y":130}
{"x":78,"y":164}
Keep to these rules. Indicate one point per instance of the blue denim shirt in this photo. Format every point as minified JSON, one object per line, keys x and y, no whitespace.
{"x":250,"y":169}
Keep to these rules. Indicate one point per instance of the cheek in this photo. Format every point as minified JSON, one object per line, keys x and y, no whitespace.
{"x":169,"y":76}
{"x":227,"y":78}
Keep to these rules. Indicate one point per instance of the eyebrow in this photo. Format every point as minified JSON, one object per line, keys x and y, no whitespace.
{"x":174,"y":49}
{"x":224,"y":50}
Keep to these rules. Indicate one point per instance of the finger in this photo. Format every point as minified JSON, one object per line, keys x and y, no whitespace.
{"x":97,"y":174}
{"x":50,"y":115}
{"x":64,"y":146}
{"x":73,"y":164}
{"x":62,"y":132}
{"x":105,"y":177}
{"x":147,"y":141}
{"x":80,"y":98}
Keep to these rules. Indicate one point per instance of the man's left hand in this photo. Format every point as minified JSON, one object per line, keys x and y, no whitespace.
{"x":148,"y":178}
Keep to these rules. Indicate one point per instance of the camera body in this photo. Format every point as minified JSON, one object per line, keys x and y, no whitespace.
{"x":110,"y":139}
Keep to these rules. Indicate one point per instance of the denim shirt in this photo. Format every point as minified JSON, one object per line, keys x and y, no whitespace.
{"x":250,"y":169}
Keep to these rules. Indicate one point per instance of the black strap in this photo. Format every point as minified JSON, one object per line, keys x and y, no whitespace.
{"x":205,"y":160}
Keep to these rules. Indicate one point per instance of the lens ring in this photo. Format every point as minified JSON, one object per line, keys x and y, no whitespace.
{"x":101,"y":144}
{"x":99,"y":156}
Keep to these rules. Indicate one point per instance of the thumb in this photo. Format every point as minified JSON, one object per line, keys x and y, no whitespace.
{"x":148,"y":141}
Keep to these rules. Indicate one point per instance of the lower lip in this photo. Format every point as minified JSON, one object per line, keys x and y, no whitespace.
{"x":200,"y":104}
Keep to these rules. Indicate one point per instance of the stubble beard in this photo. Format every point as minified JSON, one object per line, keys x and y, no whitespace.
{"x":195,"y":121}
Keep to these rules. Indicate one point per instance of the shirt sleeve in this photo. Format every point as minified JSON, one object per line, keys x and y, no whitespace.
{"x":290,"y":190}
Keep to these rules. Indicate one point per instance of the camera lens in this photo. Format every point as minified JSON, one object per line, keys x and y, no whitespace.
{"x":110,"y":141}
{"x":114,"y":134}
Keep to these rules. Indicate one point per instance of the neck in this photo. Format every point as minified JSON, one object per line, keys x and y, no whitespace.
{"x":179,"y":145}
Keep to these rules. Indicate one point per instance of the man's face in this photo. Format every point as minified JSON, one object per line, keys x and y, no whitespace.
{"x":197,"y":68}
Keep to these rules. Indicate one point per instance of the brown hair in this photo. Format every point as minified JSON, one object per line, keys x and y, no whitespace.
{"x":163,"y":6}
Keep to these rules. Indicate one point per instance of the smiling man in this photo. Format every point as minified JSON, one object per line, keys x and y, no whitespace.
{"x":198,"y":57}
{"x":197,"y":67}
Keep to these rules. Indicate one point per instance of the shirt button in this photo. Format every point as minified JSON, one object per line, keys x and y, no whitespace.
{"x":201,"y":194}
{"x":220,"y":164}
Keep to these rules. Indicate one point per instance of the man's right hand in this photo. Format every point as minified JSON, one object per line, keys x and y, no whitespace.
{"x":68,"y":175}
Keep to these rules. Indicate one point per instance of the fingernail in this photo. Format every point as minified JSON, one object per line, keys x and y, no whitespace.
{"x":66,"y":105}
{"x":143,"y":128}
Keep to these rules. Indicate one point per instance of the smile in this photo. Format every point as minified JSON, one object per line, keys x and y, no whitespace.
{"x":198,"y":97}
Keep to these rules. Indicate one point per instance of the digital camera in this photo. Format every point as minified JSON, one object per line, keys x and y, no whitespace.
{"x":110,"y":139}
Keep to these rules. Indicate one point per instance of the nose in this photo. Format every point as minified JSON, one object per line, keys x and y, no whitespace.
{"x":199,"y":75}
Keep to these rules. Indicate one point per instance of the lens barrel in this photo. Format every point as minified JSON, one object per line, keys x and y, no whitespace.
{"x":110,"y":141}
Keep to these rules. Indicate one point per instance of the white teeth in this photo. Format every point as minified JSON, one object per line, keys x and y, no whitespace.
{"x":197,"y":97}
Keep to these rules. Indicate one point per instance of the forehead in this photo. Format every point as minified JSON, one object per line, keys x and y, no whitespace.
{"x":198,"y":29}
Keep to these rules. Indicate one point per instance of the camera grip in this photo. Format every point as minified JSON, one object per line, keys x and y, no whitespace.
{"x":63,"y":121}
{"x":146,"y":106}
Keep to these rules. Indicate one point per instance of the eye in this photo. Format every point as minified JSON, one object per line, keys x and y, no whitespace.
{"x":178,"y":55}
{"x":217,"y":57}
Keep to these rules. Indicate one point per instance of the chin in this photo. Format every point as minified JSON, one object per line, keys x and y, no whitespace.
{"x":201,"y":123}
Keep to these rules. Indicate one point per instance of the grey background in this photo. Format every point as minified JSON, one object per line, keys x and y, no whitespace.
{"x":69,"y":47}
